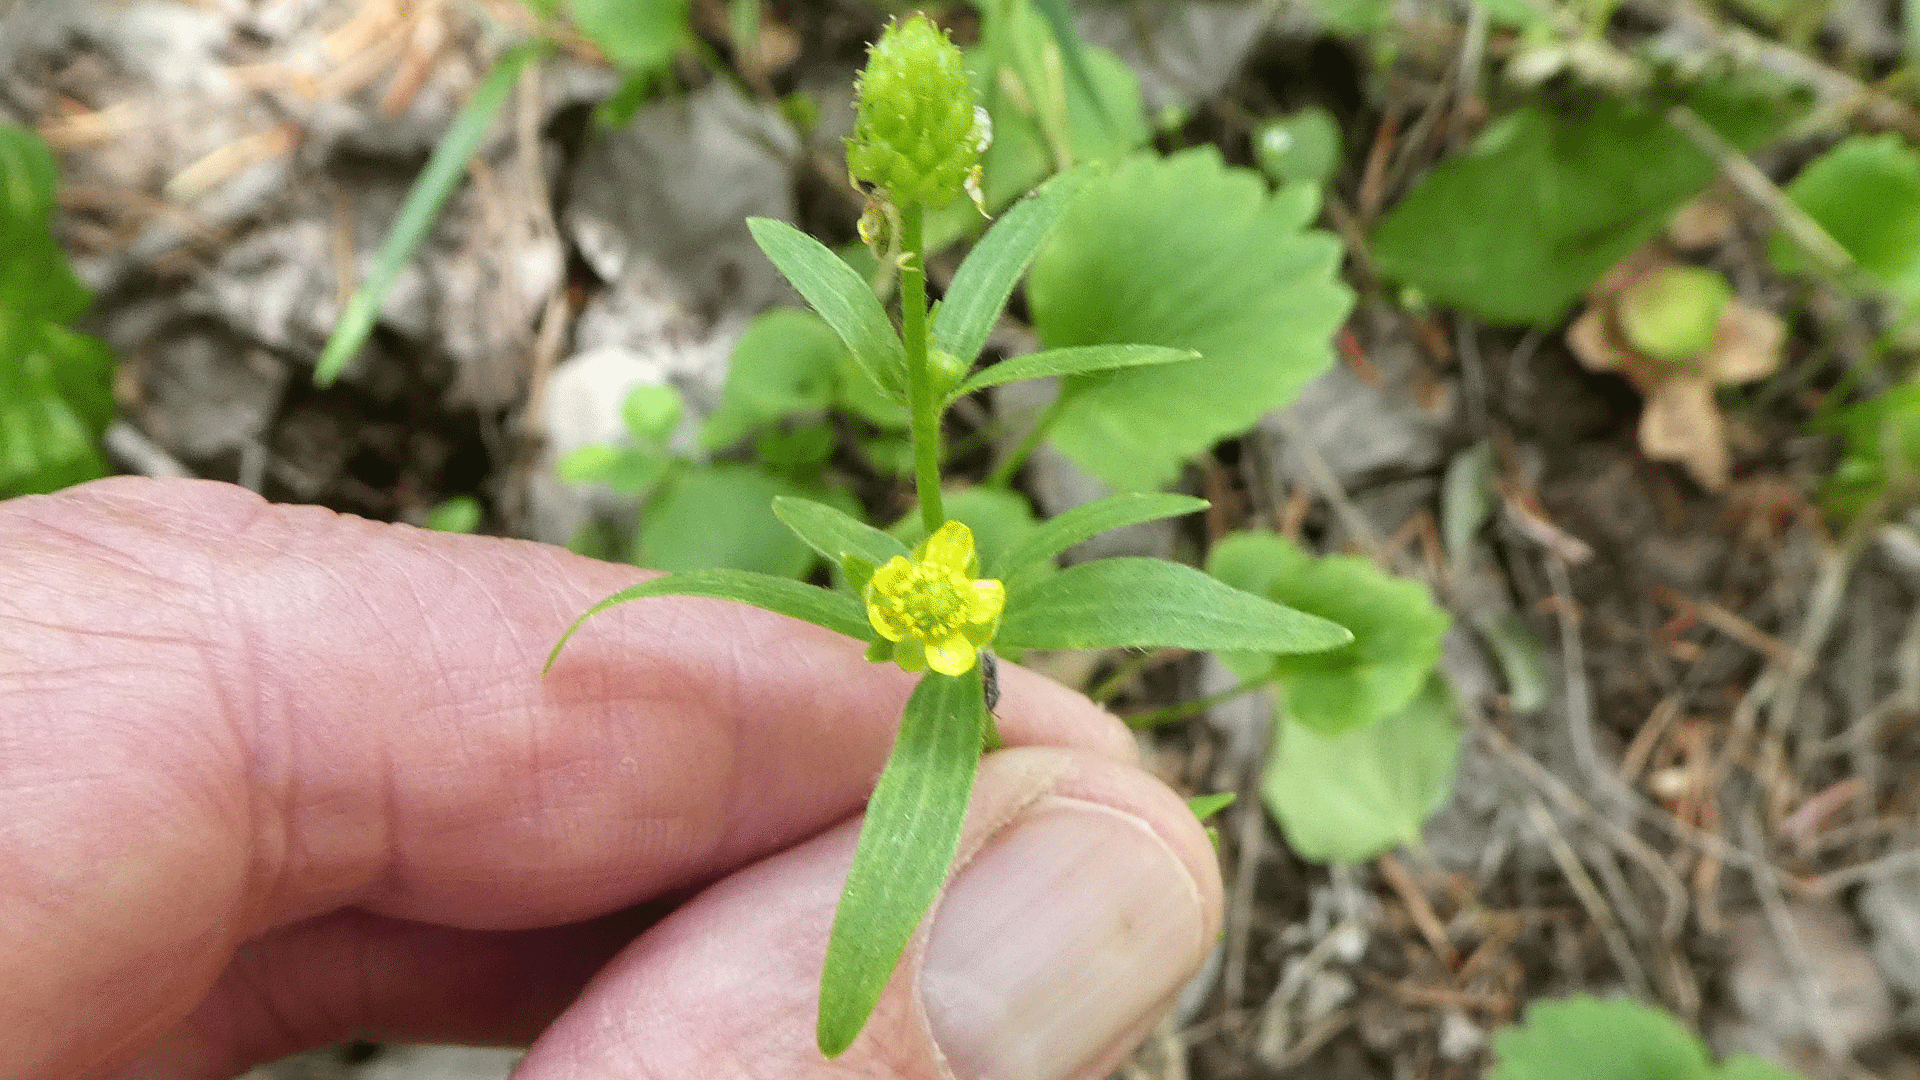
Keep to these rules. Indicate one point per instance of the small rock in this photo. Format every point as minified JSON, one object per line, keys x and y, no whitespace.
{"x":1890,"y":907}
{"x":1838,"y":1005}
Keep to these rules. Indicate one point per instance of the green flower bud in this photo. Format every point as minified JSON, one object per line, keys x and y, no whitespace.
{"x":917,"y":135}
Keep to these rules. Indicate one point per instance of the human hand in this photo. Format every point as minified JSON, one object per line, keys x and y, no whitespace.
{"x":270,"y":778}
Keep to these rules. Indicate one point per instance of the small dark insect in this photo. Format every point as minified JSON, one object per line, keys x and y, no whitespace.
{"x":990,"y":677}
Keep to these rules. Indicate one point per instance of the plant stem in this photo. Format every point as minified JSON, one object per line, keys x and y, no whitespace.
{"x":1003,"y":474}
{"x":1157,"y":717}
{"x":920,"y":397}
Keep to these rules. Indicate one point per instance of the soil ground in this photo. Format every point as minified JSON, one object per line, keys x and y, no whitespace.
{"x":1713,"y":804}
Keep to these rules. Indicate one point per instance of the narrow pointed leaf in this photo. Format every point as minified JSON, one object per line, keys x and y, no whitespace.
{"x":836,"y":611}
{"x":1205,"y":806}
{"x":422,"y":207}
{"x":907,"y":842}
{"x":836,"y":534}
{"x":1073,"y":360}
{"x":840,"y":295}
{"x":1150,"y":603}
{"x":984,"y":281}
{"x":1086,"y":522}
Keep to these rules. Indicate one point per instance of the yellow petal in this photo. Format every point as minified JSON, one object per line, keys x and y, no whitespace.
{"x":885,"y":620}
{"x":985,"y":601}
{"x":950,"y":547}
{"x":887,"y":579}
{"x":951,"y":655}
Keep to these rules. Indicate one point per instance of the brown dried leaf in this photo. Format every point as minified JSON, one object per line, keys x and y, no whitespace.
{"x":1682,"y":423}
{"x":1748,"y":344}
{"x":1594,"y":343}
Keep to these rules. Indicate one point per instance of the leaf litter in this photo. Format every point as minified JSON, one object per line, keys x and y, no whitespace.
{"x":1691,"y":763}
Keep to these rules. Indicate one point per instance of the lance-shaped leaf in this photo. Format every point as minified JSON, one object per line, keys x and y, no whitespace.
{"x":834,"y":533}
{"x":907,"y":843}
{"x":1073,"y":360}
{"x":1151,"y":603}
{"x":422,"y":207}
{"x":841,"y":296}
{"x":1205,"y":806}
{"x":984,"y":281}
{"x":836,"y":611}
{"x":1033,"y":556}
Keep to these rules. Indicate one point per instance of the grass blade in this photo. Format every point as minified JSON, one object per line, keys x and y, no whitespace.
{"x":422,"y":207}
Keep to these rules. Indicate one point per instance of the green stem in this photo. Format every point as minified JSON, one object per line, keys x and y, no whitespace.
{"x":1003,"y":475}
{"x":1157,"y":717}
{"x":922,"y":402}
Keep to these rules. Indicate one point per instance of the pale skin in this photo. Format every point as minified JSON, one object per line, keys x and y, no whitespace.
{"x":272,"y":777}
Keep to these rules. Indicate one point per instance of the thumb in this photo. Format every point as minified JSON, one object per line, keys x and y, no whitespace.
{"x":1085,"y":896}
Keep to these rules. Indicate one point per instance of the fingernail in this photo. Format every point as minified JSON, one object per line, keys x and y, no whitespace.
{"x":1060,"y":936}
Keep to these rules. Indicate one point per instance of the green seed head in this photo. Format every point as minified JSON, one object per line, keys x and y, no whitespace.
{"x":917,"y":135}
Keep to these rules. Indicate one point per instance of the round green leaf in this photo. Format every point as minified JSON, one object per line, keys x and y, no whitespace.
{"x":1302,"y":148}
{"x":1865,"y":192}
{"x":1349,"y":796}
{"x":720,"y":516}
{"x":786,"y":362}
{"x":652,"y":412}
{"x":1592,"y":1039}
{"x":1396,"y":630}
{"x":1187,"y":253}
{"x":999,"y":520}
{"x":637,"y":35}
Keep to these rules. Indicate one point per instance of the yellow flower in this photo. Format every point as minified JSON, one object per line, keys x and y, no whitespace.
{"x":931,"y":607}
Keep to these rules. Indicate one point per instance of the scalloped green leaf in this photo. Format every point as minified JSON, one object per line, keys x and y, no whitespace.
{"x":1595,"y":1039}
{"x":990,"y":271}
{"x":1033,"y":557}
{"x":719,"y":516}
{"x":1865,"y":192}
{"x":1349,"y":796}
{"x":822,"y":607}
{"x":1396,"y":627}
{"x":1152,"y":603}
{"x":841,"y":296}
{"x":1516,"y":229}
{"x":1073,"y":360}
{"x":835,"y":533}
{"x":1189,"y":253}
{"x":56,"y":398}
{"x":637,"y":35}
{"x":907,"y":843}
{"x":786,"y":362}
{"x":28,"y":174}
